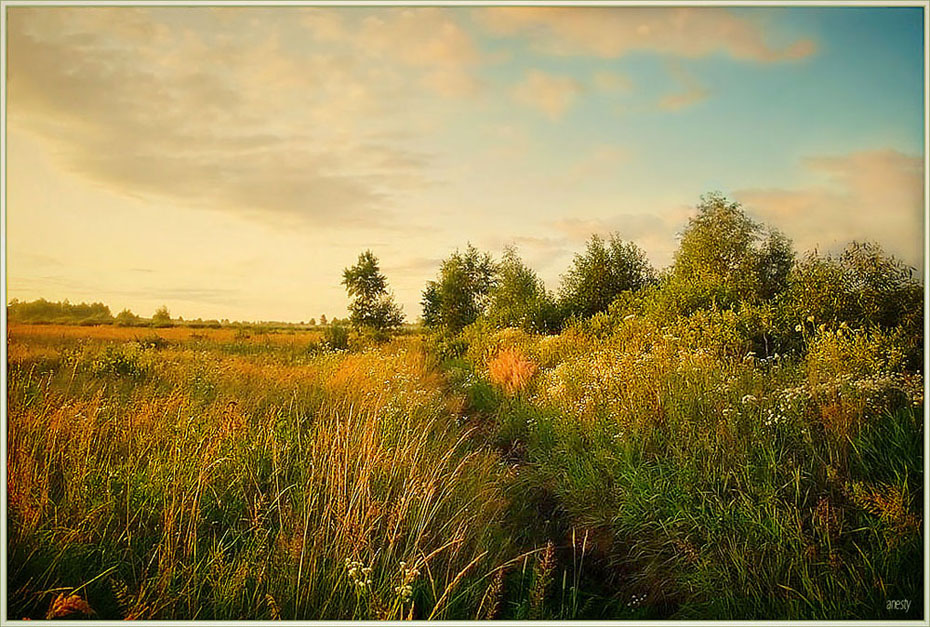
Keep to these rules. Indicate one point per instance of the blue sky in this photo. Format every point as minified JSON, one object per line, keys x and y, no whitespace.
{"x":230,"y":162}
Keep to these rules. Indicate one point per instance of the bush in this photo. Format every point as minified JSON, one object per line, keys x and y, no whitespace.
{"x":336,"y":337}
{"x":863,"y":286}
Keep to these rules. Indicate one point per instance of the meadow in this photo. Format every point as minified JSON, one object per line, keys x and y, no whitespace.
{"x":620,"y":469}
{"x":737,"y":437}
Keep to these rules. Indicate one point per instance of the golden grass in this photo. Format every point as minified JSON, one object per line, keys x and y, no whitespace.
{"x":351,"y":456}
{"x":511,"y":369}
{"x":23,"y":332}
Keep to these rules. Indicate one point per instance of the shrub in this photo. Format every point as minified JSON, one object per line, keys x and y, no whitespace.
{"x":161,"y":317}
{"x":336,"y":337}
{"x":511,"y":370}
{"x":126,"y":318}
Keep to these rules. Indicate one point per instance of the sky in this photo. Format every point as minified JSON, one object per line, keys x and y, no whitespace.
{"x":231,"y":162}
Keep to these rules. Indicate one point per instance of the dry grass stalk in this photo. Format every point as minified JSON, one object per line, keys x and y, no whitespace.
{"x":491,"y":602}
{"x":541,"y":581}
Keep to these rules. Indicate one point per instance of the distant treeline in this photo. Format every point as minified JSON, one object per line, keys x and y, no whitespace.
{"x":43,"y":311}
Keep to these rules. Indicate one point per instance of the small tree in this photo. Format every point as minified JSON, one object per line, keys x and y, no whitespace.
{"x":461,"y":292}
{"x":725,"y":258}
{"x":323,"y":319}
{"x":862,"y":287}
{"x":520,"y":299}
{"x":372,"y":307}
{"x":161,"y":316}
{"x":603,"y":272}
{"x":126,"y":318}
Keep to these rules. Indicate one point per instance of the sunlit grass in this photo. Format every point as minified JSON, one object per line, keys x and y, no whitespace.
{"x":627,"y":468}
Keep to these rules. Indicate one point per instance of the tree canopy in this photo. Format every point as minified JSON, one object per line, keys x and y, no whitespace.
{"x":520,"y":298}
{"x":725,"y":258}
{"x":461,"y":292}
{"x":601,"y":273}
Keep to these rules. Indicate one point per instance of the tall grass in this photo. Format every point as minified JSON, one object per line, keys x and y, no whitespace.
{"x":713,"y":483}
{"x":632,"y":467}
{"x":189,"y":483}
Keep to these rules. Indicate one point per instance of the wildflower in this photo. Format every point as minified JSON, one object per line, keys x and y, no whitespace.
{"x":749,"y":398}
{"x":810,"y":319}
{"x":404,"y":591}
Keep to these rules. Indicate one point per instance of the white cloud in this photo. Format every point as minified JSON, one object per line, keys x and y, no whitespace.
{"x":549,"y":93}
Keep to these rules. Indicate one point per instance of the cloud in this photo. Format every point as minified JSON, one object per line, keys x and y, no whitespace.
{"x":605,"y":80}
{"x":602,"y":162}
{"x":693,"y":92}
{"x":551,"y":94}
{"x":427,"y":39}
{"x":875,"y":195}
{"x":628,"y":226}
{"x":236,"y":118}
{"x":615,"y":32}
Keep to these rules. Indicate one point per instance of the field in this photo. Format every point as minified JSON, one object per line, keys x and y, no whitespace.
{"x":626,"y":468}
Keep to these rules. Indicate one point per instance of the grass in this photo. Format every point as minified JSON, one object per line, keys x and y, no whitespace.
{"x":630,"y":471}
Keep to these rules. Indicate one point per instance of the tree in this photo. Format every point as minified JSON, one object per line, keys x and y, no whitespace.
{"x":520,"y":298}
{"x":603,"y":272}
{"x":372,"y":307}
{"x":323,"y":319}
{"x":126,"y":318}
{"x":861,"y":287}
{"x":461,"y":292}
{"x":725,"y":258}
{"x":161,"y":316}
{"x":774,"y":261}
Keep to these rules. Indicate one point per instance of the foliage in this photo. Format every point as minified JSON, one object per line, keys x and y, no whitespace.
{"x":43,"y":311}
{"x":126,"y":318}
{"x":161,"y":317}
{"x":372,"y":307}
{"x":336,"y":336}
{"x":603,"y":272}
{"x":722,"y":259}
{"x":862,"y":286}
{"x":519,"y":298}
{"x":461,"y":292}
